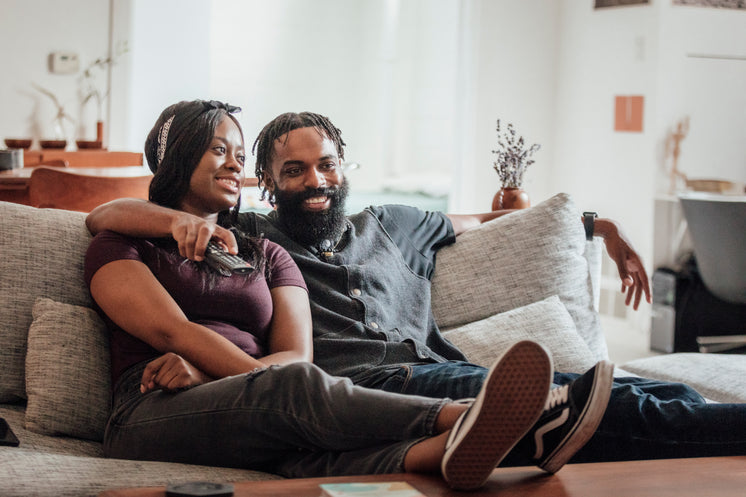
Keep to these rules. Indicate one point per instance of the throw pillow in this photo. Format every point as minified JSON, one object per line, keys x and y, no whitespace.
{"x":517,"y":259}
{"x":68,"y":373}
{"x":546,"y":322}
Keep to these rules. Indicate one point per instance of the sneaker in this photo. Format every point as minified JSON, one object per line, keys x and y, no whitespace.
{"x":571,"y":416}
{"x":510,"y":402}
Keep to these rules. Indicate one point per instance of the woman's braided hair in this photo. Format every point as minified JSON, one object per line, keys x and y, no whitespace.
{"x":263,"y":148}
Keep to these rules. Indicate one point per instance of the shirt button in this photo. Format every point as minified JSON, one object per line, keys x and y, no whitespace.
{"x":374,"y":325}
{"x":356,"y":292}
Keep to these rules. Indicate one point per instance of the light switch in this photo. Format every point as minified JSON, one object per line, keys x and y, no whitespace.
{"x":63,"y":63}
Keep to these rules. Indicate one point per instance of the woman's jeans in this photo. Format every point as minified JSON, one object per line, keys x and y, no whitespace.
{"x":293,"y":420}
{"x":645,"y":419}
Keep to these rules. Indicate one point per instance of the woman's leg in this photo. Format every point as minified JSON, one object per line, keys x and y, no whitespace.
{"x":295,"y":420}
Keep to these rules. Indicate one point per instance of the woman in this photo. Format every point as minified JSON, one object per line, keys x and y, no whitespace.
{"x":212,"y":369}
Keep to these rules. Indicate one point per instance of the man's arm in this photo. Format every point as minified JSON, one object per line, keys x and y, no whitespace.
{"x":629,"y":264}
{"x":632,"y":272}
{"x":135,"y":217}
{"x":463,"y":222}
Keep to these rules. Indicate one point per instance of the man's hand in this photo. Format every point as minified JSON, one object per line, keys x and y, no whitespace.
{"x":629,"y":264}
{"x":171,"y":372}
{"x":193,"y":233}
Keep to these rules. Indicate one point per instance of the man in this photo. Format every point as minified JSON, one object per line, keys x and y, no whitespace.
{"x":367,"y":275}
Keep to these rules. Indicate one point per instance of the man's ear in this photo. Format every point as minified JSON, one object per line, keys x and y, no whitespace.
{"x":268,"y":183}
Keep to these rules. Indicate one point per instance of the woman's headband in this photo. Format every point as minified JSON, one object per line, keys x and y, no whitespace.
{"x":166,"y":126}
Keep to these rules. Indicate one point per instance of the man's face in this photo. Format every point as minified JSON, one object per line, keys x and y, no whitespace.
{"x":305,"y":176}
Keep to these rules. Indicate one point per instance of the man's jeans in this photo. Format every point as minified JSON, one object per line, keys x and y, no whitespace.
{"x":294,"y":420}
{"x":645,"y":419}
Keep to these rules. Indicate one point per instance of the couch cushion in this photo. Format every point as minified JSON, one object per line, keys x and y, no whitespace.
{"x":719,"y":377}
{"x":68,"y":373}
{"x":546,"y":322}
{"x":517,"y":259}
{"x":42,"y":256}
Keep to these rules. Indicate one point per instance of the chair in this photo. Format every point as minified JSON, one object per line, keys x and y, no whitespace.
{"x":55,"y":188}
{"x":717,"y":224}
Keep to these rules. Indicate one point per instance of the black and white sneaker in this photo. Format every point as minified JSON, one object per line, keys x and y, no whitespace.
{"x":571,"y":416}
{"x":510,"y":402}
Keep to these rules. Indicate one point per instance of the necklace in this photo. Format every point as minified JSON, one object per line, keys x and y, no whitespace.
{"x":325,"y":247}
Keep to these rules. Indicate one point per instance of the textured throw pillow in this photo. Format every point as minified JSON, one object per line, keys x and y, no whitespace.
{"x":68,"y":373}
{"x":517,"y":259}
{"x":546,"y":322}
{"x":43,"y":251}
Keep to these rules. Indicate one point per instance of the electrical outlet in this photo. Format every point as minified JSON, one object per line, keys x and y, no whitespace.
{"x":64,"y":62}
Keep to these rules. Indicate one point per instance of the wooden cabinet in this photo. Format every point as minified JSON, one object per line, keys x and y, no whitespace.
{"x":81,"y":158}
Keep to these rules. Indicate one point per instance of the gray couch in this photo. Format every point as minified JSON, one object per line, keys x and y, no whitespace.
{"x":529,"y":275}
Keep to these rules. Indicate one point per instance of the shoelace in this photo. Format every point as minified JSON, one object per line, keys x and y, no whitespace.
{"x":557,"y":397}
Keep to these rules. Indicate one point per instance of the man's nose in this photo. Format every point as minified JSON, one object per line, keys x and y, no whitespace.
{"x":315,"y":178}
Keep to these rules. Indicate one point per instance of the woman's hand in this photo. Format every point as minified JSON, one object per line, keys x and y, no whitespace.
{"x":629,"y":264}
{"x":193,"y":233}
{"x":171,"y":372}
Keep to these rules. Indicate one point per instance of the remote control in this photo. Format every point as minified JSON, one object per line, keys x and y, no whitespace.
{"x":225,"y":263}
{"x":199,"y":489}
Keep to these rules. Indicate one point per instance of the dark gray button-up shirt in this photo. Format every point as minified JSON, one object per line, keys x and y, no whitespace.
{"x":370,"y":301}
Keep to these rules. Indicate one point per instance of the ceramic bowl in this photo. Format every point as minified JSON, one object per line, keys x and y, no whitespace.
{"x":53,"y":143}
{"x":18,"y":143}
{"x":88,"y":144}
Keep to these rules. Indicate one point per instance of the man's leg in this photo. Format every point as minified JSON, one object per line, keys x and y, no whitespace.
{"x":453,"y":380}
{"x":570,"y":417}
{"x":648,"y":419}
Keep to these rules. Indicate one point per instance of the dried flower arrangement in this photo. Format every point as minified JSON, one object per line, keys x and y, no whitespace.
{"x":513,"y":157}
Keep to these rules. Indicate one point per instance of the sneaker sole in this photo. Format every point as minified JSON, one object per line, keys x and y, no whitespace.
{"x":590,"y":419}
{"x":514,"y":393}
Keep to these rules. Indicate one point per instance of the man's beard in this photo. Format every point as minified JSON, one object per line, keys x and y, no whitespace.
{"x":312,"y":228}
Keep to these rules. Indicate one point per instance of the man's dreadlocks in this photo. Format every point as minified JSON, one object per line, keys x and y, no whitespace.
{"x":263,"y":148}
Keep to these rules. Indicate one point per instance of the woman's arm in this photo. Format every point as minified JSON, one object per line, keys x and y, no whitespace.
{"x":132,"y":297}
{"x":290,"y":337}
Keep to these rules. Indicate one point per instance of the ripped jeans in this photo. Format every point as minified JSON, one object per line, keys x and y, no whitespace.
{"x":293,"y":420}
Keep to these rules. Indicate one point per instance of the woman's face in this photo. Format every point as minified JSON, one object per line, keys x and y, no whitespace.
{"x":215,"y":184}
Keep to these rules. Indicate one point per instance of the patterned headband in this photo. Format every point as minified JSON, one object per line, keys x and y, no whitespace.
{"x":163,"y":132}
{"x":163,"y":138}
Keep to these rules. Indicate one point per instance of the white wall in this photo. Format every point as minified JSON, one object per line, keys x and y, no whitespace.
{"x":710,"y":90}
{"x":604,"y":53}
{"x":510,"y":49}
{"x":29,"y":32}
{"x":416,"y":85}
{"x":383,"y":71}
{"x":170,"y":60}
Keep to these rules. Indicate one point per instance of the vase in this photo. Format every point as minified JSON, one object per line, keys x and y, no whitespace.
{"x":510,"y":198}
{"x":100,"y":131}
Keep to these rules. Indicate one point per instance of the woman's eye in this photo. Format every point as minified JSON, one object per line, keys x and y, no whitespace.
{"x":220,"y":149}
{"x":241,"y":159}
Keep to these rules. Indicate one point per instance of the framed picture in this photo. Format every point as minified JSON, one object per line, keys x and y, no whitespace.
{"x":720,"y":4}
{"x":599,"y":4}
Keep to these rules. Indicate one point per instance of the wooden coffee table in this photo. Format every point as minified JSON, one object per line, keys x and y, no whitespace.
{"x":711,"y":477}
